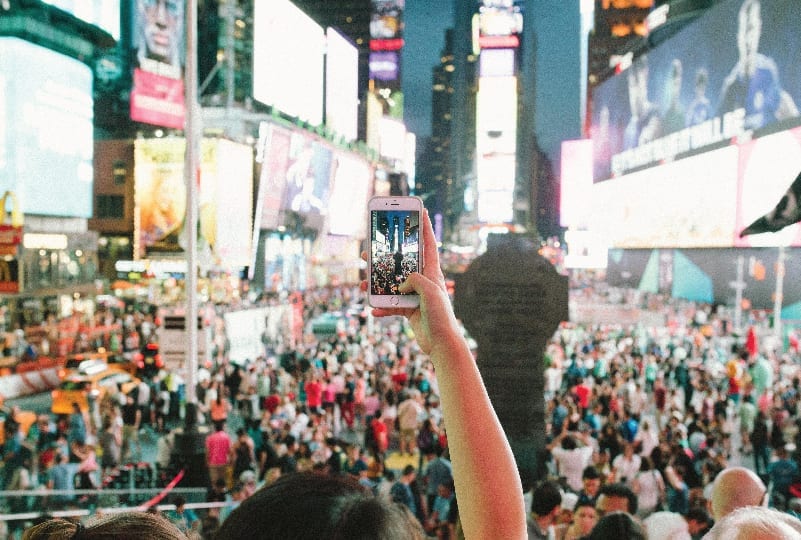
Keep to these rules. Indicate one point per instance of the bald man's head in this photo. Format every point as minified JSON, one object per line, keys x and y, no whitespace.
{"x":736,"y":487}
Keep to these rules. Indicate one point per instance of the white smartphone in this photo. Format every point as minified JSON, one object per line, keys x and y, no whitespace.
{"x":395,"y":249}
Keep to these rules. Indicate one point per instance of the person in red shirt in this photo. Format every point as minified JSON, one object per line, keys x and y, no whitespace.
{"x":582,"y":392}
{"x":380,"y":434}
{"x":314,"y":393}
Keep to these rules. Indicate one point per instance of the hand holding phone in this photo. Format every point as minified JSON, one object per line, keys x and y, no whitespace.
{"x":395,"y":249}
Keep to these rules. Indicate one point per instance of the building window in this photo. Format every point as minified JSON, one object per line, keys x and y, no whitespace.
{"x":110,"y":206}
{"x":120,"y":172}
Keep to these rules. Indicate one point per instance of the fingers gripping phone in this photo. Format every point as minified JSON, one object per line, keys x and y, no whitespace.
{"x":395,"y":249}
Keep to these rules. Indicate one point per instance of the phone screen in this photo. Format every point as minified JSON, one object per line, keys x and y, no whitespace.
{"x":395,"y":249}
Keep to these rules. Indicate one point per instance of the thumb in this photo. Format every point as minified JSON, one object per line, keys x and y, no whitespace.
{"x":412,"y":284}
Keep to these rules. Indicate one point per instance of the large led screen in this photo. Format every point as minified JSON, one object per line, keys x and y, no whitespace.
{"x":768,"y":166}
{"x":687,"y":203}
{"x":733,"y":73}
{"x":104,"y":14}
{"x":225,"y":199}
{"x":496,"y":136}
{"x":341,"y":85}
{"x":307,"y":186}
{"x":160,"y":194}
{"x":272,"y":179}
{"x":701,"y":201}
{"x":157,"y":96}
{"x":46,"y":131}
{"x":288,"y":52}
{"x":347,"y":208}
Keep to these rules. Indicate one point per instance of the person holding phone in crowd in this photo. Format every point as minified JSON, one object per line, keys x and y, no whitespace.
{"x":487,"y":484}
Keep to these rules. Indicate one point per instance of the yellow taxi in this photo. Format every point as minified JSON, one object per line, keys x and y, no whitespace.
{"x":95,"y":382}
{"x":76,"y":362}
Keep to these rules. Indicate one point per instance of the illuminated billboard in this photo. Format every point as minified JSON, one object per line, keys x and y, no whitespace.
{"x":46,"y":130}
{"x":224,"y":200}
{"x":496,"y":63}
{"x":157,"y":96}
{"x":308,"y":179}
{"x":104,"y":14}
{"x":732,"y":74}
{"x":386,"y":25}
{"x":496,"y":147}
{"x":288,"y":54}
{"x":159,"y":195}
{"x":384,"y":66}
{"x":275,"y":159}
{"x":576,"y":183}
{"x":352,"y":184}
{"x":701,"y":201}
{"x":341,"y":85}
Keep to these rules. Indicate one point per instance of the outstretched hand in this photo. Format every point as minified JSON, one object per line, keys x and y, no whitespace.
{"x":433,"y":319}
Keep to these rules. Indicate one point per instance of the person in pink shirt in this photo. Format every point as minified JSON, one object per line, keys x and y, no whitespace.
{"x":218,"y":452}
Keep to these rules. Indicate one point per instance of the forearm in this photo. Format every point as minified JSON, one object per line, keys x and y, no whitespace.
{"x":485,"y":474}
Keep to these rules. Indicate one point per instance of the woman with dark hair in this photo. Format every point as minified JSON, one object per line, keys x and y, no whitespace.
{"x":318,"y":506}
{"x":306,"y":505}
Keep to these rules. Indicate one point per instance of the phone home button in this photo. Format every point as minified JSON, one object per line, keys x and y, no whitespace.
{"x":394,"y":300}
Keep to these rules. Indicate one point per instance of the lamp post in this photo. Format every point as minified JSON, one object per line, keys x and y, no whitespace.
{"x":190,"y":444}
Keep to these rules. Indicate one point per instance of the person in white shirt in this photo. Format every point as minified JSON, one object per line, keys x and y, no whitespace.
{"x":571,"y":459}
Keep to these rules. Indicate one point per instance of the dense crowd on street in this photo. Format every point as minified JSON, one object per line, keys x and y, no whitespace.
{"x":645,"y":414}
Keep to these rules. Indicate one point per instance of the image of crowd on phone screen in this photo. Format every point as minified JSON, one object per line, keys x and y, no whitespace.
{"x":394,"y":249}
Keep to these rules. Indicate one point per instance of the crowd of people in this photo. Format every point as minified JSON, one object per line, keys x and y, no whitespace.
{"x":644,"y":423}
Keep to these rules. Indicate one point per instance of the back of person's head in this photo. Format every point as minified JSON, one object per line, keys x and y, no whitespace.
{"x":736,"y":487}
{"x":119,"y":526}
{"x":616,"y":491}
{"x":755,"y":523}
{"x":545,"y":497}
{"x":666,"y":526}
{"x":617,"y":526}
{"x":316,"y":506}
{"x":590,"y":473}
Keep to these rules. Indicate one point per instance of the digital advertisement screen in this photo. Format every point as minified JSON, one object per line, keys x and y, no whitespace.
{"x":159,"y":36}
{"x":342,"y":85}
{"x":104,"y":14}
{"x":386,"y":22}
{"x":576,"y":183}
{"x":226,"y":187}
{"x":394,"y":241}
{"x":273,"y":176}
{"x":157,"y":96}
{"x":46,"y":130}
{"x":347,"y":207}
{"x":288,"y":55}
{"x":384,"y":65}
{"x":308,"y":179}
{"x":160,"y":194}
{"x":496,"y":147}
{"x":733,"y":73}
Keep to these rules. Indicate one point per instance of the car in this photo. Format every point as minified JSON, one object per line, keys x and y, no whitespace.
{"x":79,"y":388}
{"x":83,"y":361}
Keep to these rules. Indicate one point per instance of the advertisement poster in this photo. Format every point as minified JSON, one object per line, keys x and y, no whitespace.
{"x":157,"y":96}
{"x":160,"y":194}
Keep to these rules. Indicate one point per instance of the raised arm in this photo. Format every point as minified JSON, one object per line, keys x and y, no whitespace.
{"x":484,"y":471}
